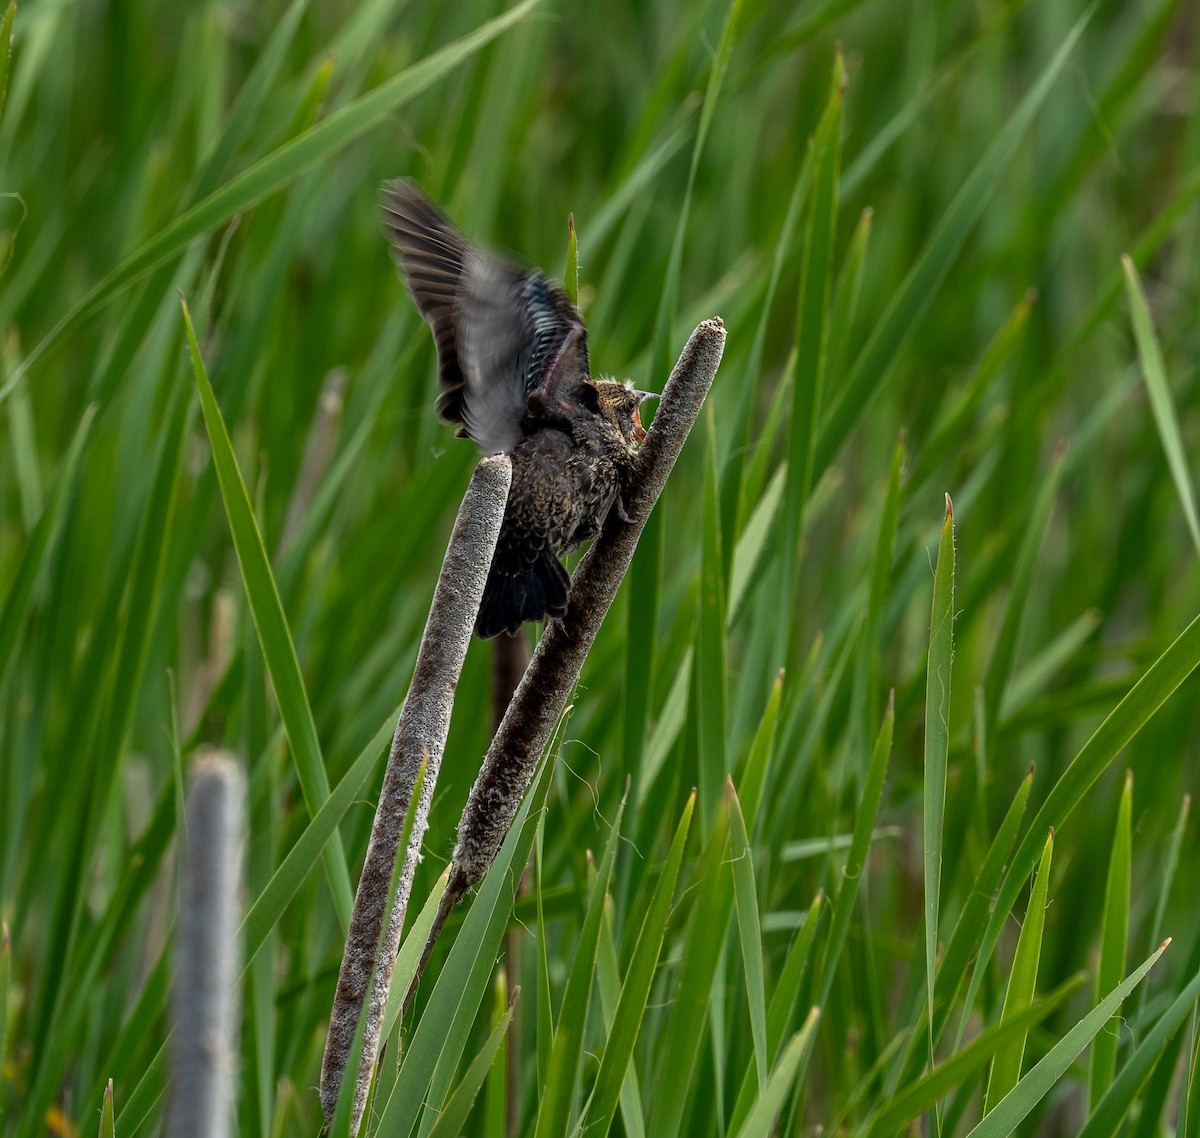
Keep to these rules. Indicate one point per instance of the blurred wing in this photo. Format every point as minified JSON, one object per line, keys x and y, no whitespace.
{"x":432,"y":255}
{"x":502,"y":332}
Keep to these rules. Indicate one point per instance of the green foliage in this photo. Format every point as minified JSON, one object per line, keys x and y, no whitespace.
{"x":230,"y":534}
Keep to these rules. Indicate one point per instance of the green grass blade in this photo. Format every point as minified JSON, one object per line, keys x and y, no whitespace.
{"x":571,"y":269}
{"x":22,"y":444}
{"x":937,"y":738}
{"x":875,"y":362}
{"x":454,"y":1116}
{"x":128,"y":641}
{"x":1189,"y":1113}
{"x":860,"y":844}
{"x":1150,"y":692}
{"x":748,"y":552}
{"x":1106,"y":1118}
{"x":914,"y":1100}
{"x":949,"y":433}
{"x":5,"y":983}
{"x":867,"y":665}
{"x":1170,"y":865}
{"x":308,"y":107}
{"x":754,"y":776}
{"x":645,"y":571}
{"x":545,"y":1002}
{"x":264,"y":914}
{"x":1034,"y":676}
{"x":812,"y":336}
{"x":740,"y":439}
{"x":635,"y":991}
{"x":6,"y":38}
{"x":1022,"y":983}
{"x":275,"y":171}
{"x":845,"y":298}
{"x":554,"y":1104}
{"x":1148,"y":243}
{"x":636,"y":182}
{"x":703,"y":944}
{"x":409,"y":956}
{"x":633,"y":1114}
{"x":108,"y":1126}
{"x":1016,"y":1105}
{"x":274,"y":636}
{"x":1157,"y":1087}
{"x":40,"y":547}
{"x":787,"y":990}
{"x":972,"y":921}
{"x":709,"y":674}
{"x":1004,"y":654}
{"x":745,"y":897}
{"x":250,"y":100}
{"x":761,"y":1121}
{"x":1161,"y":403}
{"x":1114,"y":933}
{"x":495,"y":1095}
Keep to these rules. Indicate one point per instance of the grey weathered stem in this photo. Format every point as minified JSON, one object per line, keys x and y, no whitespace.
{"x":202,"y":1075}
{"x":558,"y":659}
{"x":370,"y":957}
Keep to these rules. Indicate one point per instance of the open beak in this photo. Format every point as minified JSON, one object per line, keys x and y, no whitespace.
{"x":639,"y":432}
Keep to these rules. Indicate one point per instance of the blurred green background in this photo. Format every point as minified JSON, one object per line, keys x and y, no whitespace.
{"x":964,"y":327}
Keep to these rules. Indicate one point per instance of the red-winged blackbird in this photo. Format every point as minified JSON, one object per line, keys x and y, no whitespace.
{"x":514,"y":375}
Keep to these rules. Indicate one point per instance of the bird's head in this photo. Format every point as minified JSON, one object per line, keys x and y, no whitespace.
{"x":619,"y":403}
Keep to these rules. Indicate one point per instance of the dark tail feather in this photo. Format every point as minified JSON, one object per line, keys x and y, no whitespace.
{"x":517,"y":593}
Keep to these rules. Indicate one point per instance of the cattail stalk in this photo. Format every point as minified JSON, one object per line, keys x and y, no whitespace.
{"x":206,"y":987}
{"x":558,"y":660}
{"x":370,"y":956}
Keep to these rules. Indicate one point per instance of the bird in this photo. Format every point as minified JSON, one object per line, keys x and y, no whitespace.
{"x":514,"y":376}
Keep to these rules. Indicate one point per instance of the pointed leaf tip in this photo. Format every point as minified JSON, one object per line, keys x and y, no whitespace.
{"x":949,"y":509}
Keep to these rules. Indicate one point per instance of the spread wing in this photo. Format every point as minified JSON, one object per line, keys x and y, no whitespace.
{"x":502,"y":331}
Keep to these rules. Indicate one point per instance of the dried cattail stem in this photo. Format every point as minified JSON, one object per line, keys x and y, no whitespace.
{"x":206,"y":987}
{"x":558,"y":659}
{"x":420,"y":734}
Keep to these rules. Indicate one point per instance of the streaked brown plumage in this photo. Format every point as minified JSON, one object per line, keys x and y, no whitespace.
{"x":514,"y":375}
